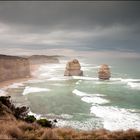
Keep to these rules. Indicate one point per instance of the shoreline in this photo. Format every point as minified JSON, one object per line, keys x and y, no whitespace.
{"x":9,"y":82}
{"x":12,"y":81}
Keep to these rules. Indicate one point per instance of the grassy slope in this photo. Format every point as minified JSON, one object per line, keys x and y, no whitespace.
{"x":10,"y":128}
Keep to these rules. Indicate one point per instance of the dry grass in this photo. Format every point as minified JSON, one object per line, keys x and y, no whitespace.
{"x":12,"y":128}
{"x":49,"y":134}
{"x":23,"y":130}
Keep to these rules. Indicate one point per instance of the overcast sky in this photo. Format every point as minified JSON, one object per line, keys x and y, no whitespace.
{"x":90,"y":26}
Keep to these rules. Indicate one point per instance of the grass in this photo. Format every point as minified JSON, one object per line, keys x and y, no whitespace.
{"x":23,"y":130}
{"x":11,"y":127}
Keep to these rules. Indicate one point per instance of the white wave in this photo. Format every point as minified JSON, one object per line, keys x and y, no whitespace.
{"x":58,"y":79}
{"x":16,"y":85}
{"x":116,"y":79}
{"x":29,"y":90}
{"x":130,"y":80}
{"x":79,"y":93}
{"x":2,"y":92}
{"x":87,"y":124}
{"x":77,"y":83}
{"x":90,"y":98}
{"x":84,"y":78}
{"x":94,"y":100}
{"x":115,"y":118}
{"x":124,"y":80}
{"x":134,"y":85}
{"x":37,"y":116}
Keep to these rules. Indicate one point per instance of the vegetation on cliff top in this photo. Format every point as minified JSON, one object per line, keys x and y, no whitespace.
{"x":16,"y":124}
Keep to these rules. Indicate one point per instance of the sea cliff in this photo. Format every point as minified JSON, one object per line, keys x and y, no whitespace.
{"x":13,"y":67}
{"x":17,"y":67}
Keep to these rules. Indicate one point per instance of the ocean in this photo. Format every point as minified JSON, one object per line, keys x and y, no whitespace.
{"x":84,"y":102}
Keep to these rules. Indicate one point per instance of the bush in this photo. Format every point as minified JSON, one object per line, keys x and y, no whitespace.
{"x":18,"y":112}
{"x":30,"y":119}
{"x":45,"y":123}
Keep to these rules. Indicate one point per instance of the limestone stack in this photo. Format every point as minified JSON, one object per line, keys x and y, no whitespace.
{"x":73,"y":68}
{"x":104,"y":72}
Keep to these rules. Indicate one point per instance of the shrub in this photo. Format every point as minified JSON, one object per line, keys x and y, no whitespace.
{"x":21,"y":112}
{"x":45,"y":123}
{"x":18,"y":112}
{"x":30,"y":119}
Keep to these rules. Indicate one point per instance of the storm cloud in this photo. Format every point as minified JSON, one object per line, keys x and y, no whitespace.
{"x":103,"y":25}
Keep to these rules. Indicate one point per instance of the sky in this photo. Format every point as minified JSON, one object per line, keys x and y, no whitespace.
{"x":104,"y":26}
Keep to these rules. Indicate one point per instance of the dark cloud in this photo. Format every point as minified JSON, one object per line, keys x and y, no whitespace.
{"x":86,"y":25}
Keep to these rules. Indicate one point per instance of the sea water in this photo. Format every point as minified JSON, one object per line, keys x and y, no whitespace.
{"x":84,"y":102}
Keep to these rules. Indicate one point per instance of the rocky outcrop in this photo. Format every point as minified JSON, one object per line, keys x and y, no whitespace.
{"x":73,"y":68}
{"x":41,"y":59}
{"x":13,"y":67}
{"x":104,"y":72}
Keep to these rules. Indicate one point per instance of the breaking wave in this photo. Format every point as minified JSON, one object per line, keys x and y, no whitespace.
{"x":91,"y":98}
{"x":115,"y":118}
{"x":29,"y":90}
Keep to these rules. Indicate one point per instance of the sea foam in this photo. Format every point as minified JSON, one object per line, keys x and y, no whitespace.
{"x":94,"y":100}
{"x":115,"y":118}
{"x":79,"y":93}
{"x":2,"y":92}
{"x":37,"y":116}
{"x":134,"y":85}
{"x":29,"y":90}
{"x":84,"y":78}
{"x":91,"y":98}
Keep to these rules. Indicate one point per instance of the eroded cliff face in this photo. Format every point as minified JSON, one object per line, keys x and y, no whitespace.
{"x":13,"y":67}
{"x":104,"y":72}
{"x":40,"y":59}
{"x":73,"y":68}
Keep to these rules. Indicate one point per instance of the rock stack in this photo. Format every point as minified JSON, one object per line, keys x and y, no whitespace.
{"x":73,"y":68}
{"x":104,"y":72}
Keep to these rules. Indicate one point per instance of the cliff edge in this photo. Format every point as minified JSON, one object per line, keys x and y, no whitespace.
{"x":13,"y":67}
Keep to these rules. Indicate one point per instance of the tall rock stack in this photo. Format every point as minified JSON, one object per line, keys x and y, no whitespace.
{"x":104,"y":72}
{"x":73,"y":68}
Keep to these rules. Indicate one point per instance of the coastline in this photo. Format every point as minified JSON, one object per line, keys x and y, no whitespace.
{"x":6,"y":83}
{"x":12,"y":81}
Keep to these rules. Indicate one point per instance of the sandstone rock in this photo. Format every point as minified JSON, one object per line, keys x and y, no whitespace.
{"x":12,"y":67}
{"x":73,"y":68}
{"x":104,"y":72}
